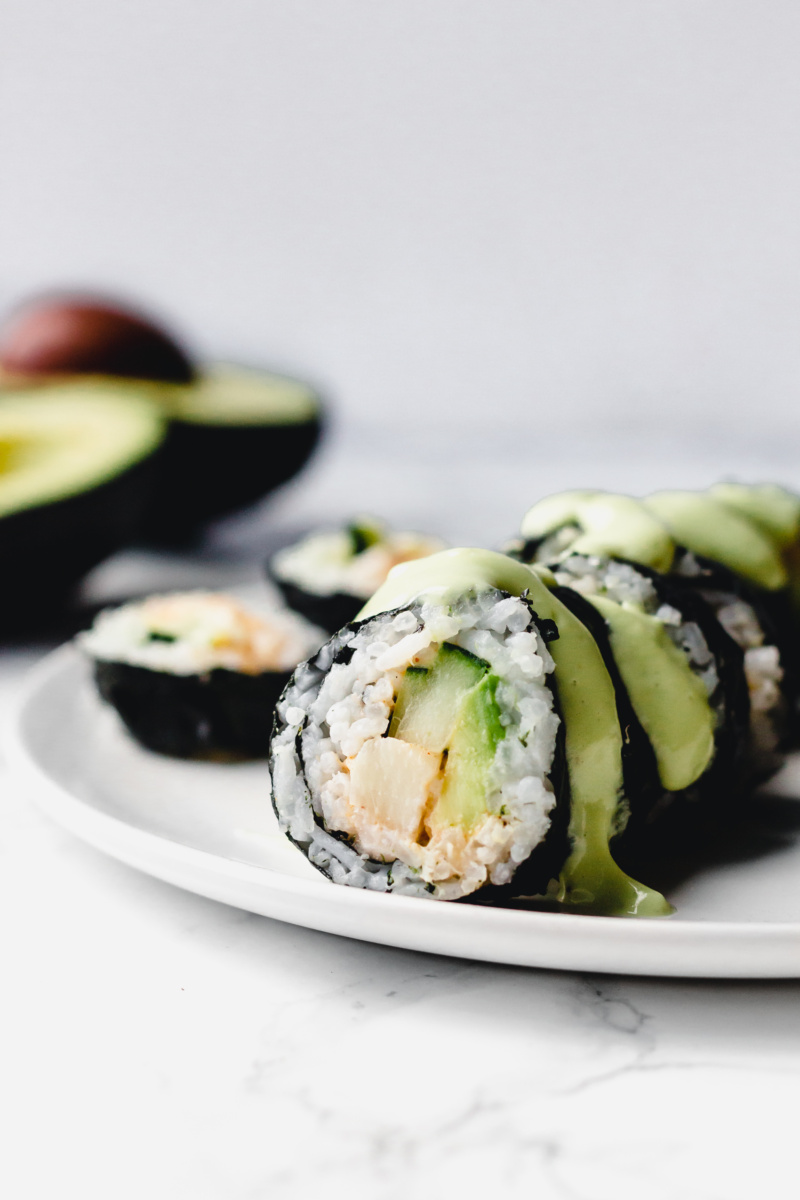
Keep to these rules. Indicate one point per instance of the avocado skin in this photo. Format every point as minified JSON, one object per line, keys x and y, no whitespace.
{"x":47,"y":549}
{"x":74,"y":335}
{"x":209,"y":470}
{"x":194,"y":716}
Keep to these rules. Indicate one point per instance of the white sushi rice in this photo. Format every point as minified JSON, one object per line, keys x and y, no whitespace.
{"x":762,"y":667}
{"x":333,"y":708}
{"x":762,"y":660}
{"x":191,"y":633}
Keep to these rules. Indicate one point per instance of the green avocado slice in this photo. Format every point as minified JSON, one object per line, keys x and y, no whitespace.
{"x":224,"y":394}
{"x":65,"y":440}
{"x":77,"y":467}
{"x":235,"y":435}
{"x":473,"y":742}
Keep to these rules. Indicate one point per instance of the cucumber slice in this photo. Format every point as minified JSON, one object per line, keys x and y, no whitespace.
{"x":429,"y":699}
{"x":471,"y":752}
{"x":365,"y":533}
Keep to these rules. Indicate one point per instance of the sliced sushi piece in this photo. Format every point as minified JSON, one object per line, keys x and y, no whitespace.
{"x":735,"y":547}
{"x":329,"y":576}
{"x":752,"y":531}
{"x":196,"y":674}
{"x":764,"y":627}
{"x":77,"y":468}
{"x":681,"y":682}
{"x":460,"y":739}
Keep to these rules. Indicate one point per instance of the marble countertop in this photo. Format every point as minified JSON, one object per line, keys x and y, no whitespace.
{"x":158,"y":1044}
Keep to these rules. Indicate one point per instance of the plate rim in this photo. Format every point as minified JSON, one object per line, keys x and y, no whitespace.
{"x":603,"y":944}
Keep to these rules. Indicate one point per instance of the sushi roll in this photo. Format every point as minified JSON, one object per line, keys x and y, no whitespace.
{"x":735,"y":548}
{"x":679,"y":675}
{"x":328,"y":577}
{"x":462,"y":739}
{"x":196,"y":674}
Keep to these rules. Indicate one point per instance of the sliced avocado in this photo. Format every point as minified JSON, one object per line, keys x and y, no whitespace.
{"x":235,"y":435}
{"x":471,"y":752}
{"x":68,"y":439}
{"x":429,"y":699}
{"x":77,"y":467}
{"x":230,"y":395}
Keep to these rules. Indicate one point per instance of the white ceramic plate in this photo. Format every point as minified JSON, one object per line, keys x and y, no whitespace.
{"x":209,"y":828}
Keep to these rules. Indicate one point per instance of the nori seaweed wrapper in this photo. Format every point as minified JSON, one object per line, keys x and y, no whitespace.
{"x":775,"y":615}
{"x":332,"y":612}
{"x":221,"y":712}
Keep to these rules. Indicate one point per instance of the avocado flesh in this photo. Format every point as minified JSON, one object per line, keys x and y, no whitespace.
{"x":234,"y":436}
{"x":77,"y":467}
{"x":451,"y":707}
{"x":224,"y":394}
{"x":470,"y":755}
{"x":67,"y":440}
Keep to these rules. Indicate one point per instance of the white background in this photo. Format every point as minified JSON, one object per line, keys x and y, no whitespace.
{"x":523,"y":245}
{"x":444,"y":210}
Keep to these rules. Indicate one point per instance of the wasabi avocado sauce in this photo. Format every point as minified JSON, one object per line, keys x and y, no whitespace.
{"x":775,"y":510}
{"x":713,"y":529}
{"x":605,"y":525}
{"x":668,"y":698}
{"x":590,"y":881}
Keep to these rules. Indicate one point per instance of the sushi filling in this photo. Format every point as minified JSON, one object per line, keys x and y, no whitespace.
{"x":415,"y":750}
{"x":353,"y":561}
{"x":193,"y":633}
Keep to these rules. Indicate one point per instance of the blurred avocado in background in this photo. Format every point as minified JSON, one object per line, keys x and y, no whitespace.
{"x":233,"y":434}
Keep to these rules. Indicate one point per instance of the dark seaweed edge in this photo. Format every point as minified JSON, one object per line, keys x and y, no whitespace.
{"x":642,"y":786}
{"x":202,"y":715}
{"x":331,"y":612}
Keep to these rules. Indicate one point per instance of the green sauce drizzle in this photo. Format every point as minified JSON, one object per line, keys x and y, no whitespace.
{"x":668,"y":698}
{"x":708,"y":527}
{"x":607,"y":525}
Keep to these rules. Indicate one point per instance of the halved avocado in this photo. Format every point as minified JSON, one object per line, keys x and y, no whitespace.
{"x":77,"y":467}
{"x":235,"y":435}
